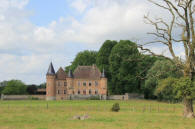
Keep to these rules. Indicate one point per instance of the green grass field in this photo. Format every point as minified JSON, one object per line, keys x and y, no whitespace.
{"x":134,"y":114}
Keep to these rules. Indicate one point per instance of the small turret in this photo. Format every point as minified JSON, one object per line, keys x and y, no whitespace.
{"x":103,"y":74}
{"x":70,"y":75}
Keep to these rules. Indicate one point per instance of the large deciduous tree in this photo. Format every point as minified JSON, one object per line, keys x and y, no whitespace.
{"x":83,"y":58}
{"x":160,"y":70}
{"x":123,"y":62}
{"x":181,"y":15}
{"x":15,"y":87}
{"x":102,"y":60}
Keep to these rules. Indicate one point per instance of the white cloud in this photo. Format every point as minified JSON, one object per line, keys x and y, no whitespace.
{"x":26,"y":49}
{"x":80,"y":5}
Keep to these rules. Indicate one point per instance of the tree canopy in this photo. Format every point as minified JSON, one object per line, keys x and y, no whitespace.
{"x":160,"y":70}
{"x":15,"y":87}
{"x":123,"y":67}
{"x":83,"y":58}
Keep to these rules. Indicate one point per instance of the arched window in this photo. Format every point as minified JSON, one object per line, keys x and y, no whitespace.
{"x":90,"y":91}
{"x":90,"y":84}
{"x":84,"y":83}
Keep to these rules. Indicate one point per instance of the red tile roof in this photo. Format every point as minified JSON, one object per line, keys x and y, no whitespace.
{"x":87,"y":72}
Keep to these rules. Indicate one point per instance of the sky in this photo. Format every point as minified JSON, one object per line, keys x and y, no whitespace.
{"x":35,"y":32}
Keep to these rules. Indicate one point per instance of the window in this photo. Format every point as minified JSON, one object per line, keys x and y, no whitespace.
{"x":84,"y":83}
{"x":78,"y":91}
{"x":79,"y":84}
{"x":90,"y":83}
{"x":96,"y":91}
{"x":96,"y":83}
{"x":58,"y":83}
{"x":58,"y":92}
{"x":64,"y":91}
{"x":90,"y":92}
{"x":73,"y":92}
{"x":84,"y":92}
{"x":65,"y":83}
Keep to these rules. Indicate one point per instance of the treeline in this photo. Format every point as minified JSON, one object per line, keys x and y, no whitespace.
{"x":17,"y":87}
{"x":128,"y":70}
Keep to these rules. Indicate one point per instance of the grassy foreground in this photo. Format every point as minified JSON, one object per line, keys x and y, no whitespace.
{"x":134,"y":114}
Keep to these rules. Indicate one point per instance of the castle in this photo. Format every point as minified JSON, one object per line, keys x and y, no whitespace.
{"x":85,"y":81}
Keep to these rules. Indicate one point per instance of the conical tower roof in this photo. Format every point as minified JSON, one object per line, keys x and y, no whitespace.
{"x":51,"y":70}
{"x":103,"y":74}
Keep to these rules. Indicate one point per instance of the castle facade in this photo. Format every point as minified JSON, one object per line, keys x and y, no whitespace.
{"x":85,"y":81}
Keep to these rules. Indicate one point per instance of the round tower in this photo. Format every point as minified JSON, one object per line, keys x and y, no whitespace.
{"x":50,"y":83}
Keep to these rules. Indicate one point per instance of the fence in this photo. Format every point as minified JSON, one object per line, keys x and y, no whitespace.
{"x":90,"y":108}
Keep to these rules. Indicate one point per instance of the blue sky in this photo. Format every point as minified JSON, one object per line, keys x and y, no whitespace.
{"x":45,"y":11}
{"x":35,"y":32}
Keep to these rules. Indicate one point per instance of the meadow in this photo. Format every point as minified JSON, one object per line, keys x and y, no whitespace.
{"x":134,"y":114}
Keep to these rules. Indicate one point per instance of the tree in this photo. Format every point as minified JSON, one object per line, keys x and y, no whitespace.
{"x":123,"y":67}
{"x":165,"y":90}
{"x":15,"y":87}
{"x":1,"y":89}
{"x":42,"y":85}
{"x":181,"y":17}
{"x":144,"y":64}
{"x":160,"y":70}
{"x":31,"y":89}
{"x":102,"y":60}
{"x":83,"y":58}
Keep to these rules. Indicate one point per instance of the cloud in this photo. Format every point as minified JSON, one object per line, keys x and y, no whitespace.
{"x":26,"y":48}
{"x":80,"y":5}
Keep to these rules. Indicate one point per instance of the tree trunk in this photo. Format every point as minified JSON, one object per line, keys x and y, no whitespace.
{"x":188,"y":103}
{"x":188,"y":108}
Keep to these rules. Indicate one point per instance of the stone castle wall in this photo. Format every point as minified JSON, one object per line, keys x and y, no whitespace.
{"x":127,"y":96}
{"x":22,"y":97}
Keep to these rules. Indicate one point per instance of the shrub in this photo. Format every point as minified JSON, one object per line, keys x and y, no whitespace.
{"x":115,"y":107}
